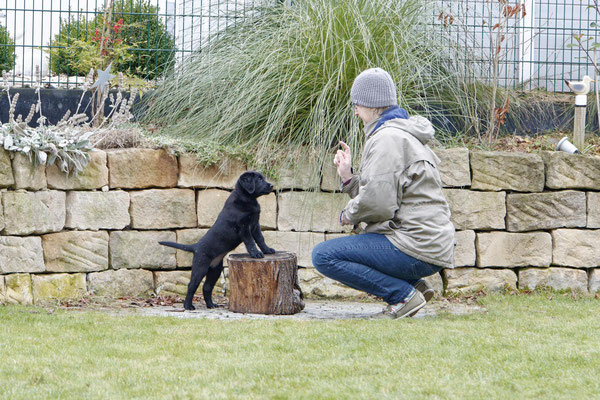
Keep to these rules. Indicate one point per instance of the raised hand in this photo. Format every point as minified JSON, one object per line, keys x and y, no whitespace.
{"x":343,"y":161}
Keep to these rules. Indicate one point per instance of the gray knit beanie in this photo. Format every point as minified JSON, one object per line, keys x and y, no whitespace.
{"x":374,"y":88}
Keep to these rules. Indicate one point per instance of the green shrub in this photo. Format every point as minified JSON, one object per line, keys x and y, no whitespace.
{"x":7,"y":50}
{"x":71,"y":49}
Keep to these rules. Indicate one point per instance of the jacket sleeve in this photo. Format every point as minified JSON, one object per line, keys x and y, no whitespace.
{"x":352,"y":187}
{"x":378,"y":195}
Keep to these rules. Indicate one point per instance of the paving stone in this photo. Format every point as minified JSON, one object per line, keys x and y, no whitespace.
{"x":540,"y":211}
{"x":503,"y":249}
{"x":76,"y":251}
{"x":555,"y":278}
{"x":313,"y":283}
{"x":209,"y":203}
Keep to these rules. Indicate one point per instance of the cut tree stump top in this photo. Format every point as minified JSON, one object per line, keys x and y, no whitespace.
{"x":278,"y":256}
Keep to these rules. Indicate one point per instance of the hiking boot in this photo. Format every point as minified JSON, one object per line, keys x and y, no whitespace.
{"x":406,"y":309}
{"x":426,"y":290}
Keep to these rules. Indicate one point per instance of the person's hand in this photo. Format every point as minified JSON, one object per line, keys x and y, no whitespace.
{"x":343,"y":220}
{"x":343,"y":161}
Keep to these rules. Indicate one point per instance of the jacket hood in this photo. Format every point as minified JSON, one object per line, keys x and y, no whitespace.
{"x":417,"y":126}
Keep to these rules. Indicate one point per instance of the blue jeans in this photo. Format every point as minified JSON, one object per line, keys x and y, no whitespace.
{"x":371,"y":263}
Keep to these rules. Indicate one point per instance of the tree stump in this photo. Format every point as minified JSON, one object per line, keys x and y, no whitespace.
{"x":264,"y":285}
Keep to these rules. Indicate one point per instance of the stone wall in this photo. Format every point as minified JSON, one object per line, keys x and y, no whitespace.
{"x":522,"y":220}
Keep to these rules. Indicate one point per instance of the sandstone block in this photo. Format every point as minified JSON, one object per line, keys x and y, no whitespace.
{"x":476,"y":210}
{"x":97,"y":210}
{"x":18,"y":289}
{"x":301,"y":173}
{"x":163,"y":209}
{"x":454,"y":167}
{"x":27,"y":175}
{"x":187,"y":236}
{"x":133,"y":249}
{"x":268,"y":211}
{"x":571,"y":171}
{"x":309,"y":211}
{"x":299,"y":243}
{"x":94,"y":176}
{"x":210,"y":202}
{"x":474,"y":279}
{"x":33,"y":212}
{"x":142,"y":168}
{"x":436,"y":282}
{"x":330,"y":182}
{"x":538,"y":211}
{"x":464,"y":252}
{"x":121,"y":283}
{"x":58,"y":287}
{"x":172,"y":283}
{"x":1,"y":213}
{"x":21,"y":254}
{"x":502,"y":249}
{"x":313,"y":283}
{"x":6,"y":173}
{"x":76,"y":251}
{"x":593,"y":210}
{"x":193,"y":174}
{"x":498,"y":170}
{"x":594,"y":281}
{"x":576,"y":248}
{"x":555,"y":278}
{"x":2,"y":290}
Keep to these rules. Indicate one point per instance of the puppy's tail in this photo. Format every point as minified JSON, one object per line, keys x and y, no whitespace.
{"x":186,"y":247}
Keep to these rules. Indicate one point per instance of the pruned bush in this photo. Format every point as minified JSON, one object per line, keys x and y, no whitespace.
{"x":7,"y":50}
{"x":143,"y":49}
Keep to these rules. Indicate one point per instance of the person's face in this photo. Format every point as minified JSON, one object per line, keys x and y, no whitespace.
{"x":366,"y":114}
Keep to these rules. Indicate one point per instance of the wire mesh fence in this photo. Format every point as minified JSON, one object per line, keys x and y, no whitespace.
{"x":58,"y":41}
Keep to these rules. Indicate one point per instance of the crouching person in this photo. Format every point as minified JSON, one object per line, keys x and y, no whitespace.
{"x":398,"y":195}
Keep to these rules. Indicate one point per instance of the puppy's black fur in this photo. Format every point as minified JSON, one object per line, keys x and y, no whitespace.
{"x":237,"y":222}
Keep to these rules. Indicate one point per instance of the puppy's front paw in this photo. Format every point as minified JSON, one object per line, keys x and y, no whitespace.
{"x":257,"y":254}
{"x":270,"y":251}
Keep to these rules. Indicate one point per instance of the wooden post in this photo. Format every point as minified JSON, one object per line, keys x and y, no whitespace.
{"x":264,"y":285}
{"x":579,"y":123}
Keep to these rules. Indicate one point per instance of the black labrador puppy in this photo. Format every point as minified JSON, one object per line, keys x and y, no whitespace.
{"x":237,"y":222}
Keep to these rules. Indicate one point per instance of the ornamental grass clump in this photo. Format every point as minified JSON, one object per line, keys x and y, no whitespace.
{"x":280,"y":79}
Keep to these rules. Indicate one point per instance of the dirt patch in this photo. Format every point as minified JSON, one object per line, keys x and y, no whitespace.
{"x":314,"y":309}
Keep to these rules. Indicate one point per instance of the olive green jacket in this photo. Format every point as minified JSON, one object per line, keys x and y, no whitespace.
{"x":399,"y":191}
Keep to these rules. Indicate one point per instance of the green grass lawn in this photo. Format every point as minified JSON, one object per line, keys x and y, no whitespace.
{"x":536,"y":346}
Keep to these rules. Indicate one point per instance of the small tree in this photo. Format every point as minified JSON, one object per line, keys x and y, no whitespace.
{"x":7,"y":50}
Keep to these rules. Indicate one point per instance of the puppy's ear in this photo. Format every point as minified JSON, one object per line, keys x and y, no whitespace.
{"x":248,"y":182}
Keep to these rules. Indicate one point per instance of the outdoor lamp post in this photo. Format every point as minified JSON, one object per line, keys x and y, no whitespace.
{"x":581,"y":89}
